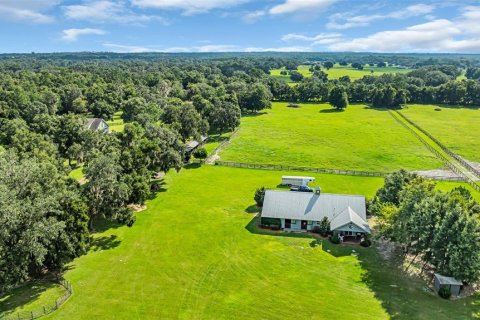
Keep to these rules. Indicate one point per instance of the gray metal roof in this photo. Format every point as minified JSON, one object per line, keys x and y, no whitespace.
{"x":95,"y":123}
{"x":447,"y":280}
{"x":338,"y":208}
{"x":190,"y":146}
{"x":348,"y":215}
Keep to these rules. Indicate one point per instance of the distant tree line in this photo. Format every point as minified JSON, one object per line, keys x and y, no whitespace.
{"x":428,"y":85}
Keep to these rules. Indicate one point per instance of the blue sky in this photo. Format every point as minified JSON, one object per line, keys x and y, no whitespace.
{"x":239,"y":25}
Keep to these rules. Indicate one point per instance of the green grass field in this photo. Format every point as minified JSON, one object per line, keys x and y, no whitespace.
{"x":339,"y":71}
{"x":196,"y":254}
{"x":456,"y":127}
{"x":117,"y":123}
{"x":31,"y":298}
{"x":360,"y":138}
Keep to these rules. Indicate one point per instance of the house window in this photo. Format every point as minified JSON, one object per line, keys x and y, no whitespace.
{"x":294,"y":221}
{"x":310,"y":223}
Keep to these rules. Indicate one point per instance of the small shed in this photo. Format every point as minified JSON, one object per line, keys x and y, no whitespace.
{"x":194,"y":144}
{"x":296,"y":180}
{"x":443,"y":281}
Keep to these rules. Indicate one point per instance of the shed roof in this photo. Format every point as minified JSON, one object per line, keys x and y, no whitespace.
{"x":447,"y":280}
{"x":194,"y":143}
{"x":94,"y":123}
{"x":339,"y":209}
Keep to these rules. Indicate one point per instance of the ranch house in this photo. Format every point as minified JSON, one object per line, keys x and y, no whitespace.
{"x":303,"y":211}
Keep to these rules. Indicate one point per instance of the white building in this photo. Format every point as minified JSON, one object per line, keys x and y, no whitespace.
{"x":298,"y":211}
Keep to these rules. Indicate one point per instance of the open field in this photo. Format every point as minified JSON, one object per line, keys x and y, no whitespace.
{"x":196,"y":254}
{"x":360,"y":138}
{"x":339,"y":71}
{"x":117,"y":123}
{"x":457,"y":128}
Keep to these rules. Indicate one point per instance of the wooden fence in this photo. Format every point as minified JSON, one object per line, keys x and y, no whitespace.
{"x":220,"y":147}
{"x":447,"y":162}
{"x":321,"y":170}
{"x":44,"y":310}
{"x":465,"y":164}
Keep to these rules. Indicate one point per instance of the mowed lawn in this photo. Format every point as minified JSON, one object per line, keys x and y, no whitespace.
{"x":194,"y":254}
{"x":339,"y":71}
{"x":117,"y":123}
{"x":456,"y":127}
{"x":314,"y":135}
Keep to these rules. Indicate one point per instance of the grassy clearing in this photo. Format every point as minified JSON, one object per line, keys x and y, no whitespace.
{"x":360,"y":138}
{"x":456,"y":127}
{"x":77,"y":173}
{"x":339,"y":71}
{"x":214,"y":140}
{"x":31,"y":297}
{"x":190,"y":259}
{"x":116,"y":124}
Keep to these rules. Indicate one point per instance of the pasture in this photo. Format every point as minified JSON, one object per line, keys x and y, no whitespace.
{"x":315,"y":135}
{"x":339,"y":71}
{"x":456,"y":127}
{"x":116,"y":124}
{"x":195,"y":253}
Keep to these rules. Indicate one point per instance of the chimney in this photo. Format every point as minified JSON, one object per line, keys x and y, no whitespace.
{"x":317,"y":191}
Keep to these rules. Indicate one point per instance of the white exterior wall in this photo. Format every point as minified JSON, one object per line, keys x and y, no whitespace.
{"x":296,"y":182}
{"x":298,"y":224}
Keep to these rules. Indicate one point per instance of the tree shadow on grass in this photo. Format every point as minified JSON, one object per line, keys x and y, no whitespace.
{"x":405,"y":296}
{"x":370,"y":107}
{"x":333,"y":110}
{"x":339,"y":250}
{"x":104,"y":243}
{"x":453,"y":106}
{"x":252,"y":209}
{"x":251,"y":115}
{"x":156,"y":187}
{"x":217,"y":137}
{"x":102,"y":225}
{"x":193,"y":165}
{"x":23,"y":295}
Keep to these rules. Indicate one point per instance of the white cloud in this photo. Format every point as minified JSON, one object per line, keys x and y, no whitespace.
{"x":436,"y":36}
{"x":188,"y":7}
{"x":300,"y":9}
{"x":73,"y":34}
{"x":348,"y":20}
{"x":216,"y":48}
{"x":278,"y":49}
{"x":27,"y":10}
{"x":107,"y":11}
{"x":125,"y":48}
{"x":254,"y":15}
{"x":204,"y":48}
{"x":293,"y":6}
{"x":469,"y":20}
{"x":301,"y":37}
